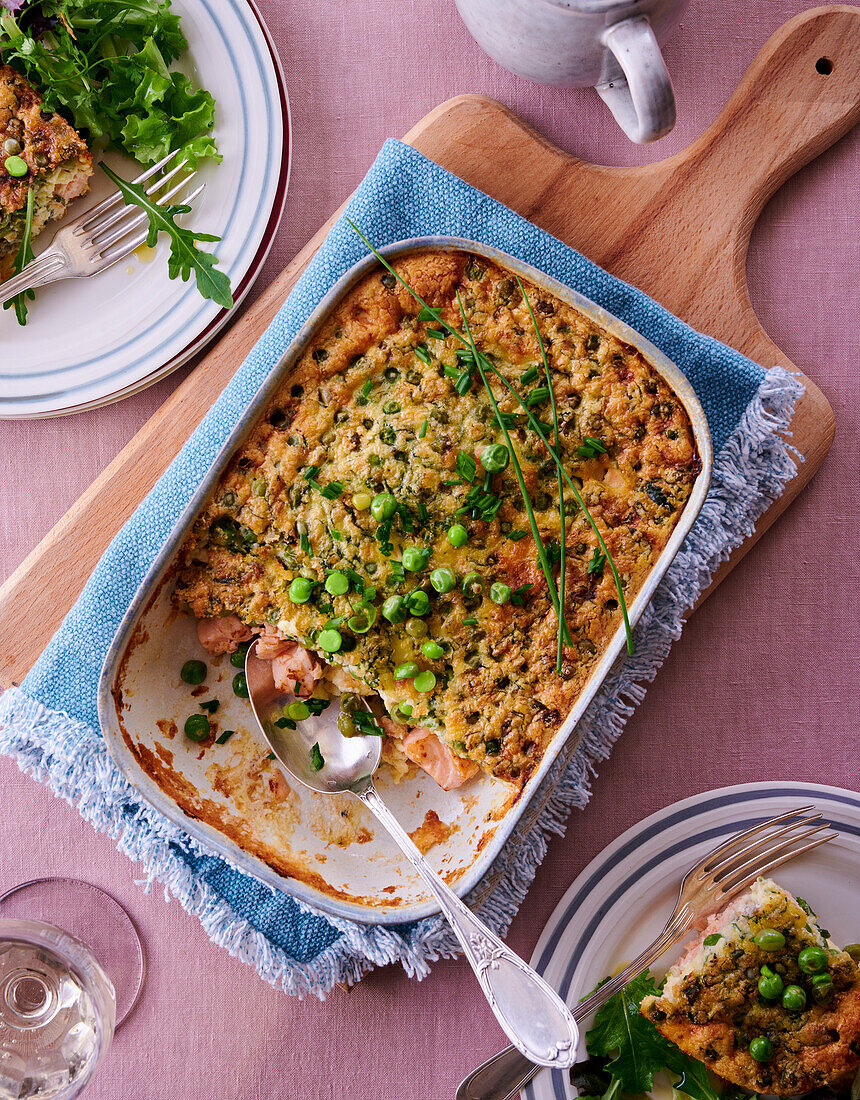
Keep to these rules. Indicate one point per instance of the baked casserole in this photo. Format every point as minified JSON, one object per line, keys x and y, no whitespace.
{"x":375,"y":536}
{"x":39,"y":152}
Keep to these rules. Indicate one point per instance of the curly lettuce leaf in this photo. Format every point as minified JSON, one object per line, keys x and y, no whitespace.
{"x":106,"y":65}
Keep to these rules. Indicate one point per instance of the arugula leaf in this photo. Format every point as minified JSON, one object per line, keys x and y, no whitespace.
{"x":22,"y":258}
{"x":636,"y":1050}
{"x":185,"y":257}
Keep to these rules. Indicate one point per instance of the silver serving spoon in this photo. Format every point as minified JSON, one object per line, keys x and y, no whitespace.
{"x":533,"y":1016}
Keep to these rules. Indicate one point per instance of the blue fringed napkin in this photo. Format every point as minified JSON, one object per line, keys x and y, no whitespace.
{"x":49,"y":724}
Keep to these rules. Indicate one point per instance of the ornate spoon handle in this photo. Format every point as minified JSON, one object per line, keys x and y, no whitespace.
{"x":506,"y":1073}
{"x":533,"y":1016}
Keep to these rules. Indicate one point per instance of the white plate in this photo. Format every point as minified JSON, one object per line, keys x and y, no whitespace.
{"x":88,"y":341}
{"x":622,"y":899}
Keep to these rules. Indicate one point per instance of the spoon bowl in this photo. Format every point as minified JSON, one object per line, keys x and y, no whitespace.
{"x":315,"y":752}
{"x":340,"y":763}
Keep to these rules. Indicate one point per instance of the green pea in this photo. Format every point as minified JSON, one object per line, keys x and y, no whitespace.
{"x":432,"y":651}
{"x":237,"y":659}
{"x":769,"y":939}
{"x":458,"y":535}
{"x":473,"y":584}
{"x":350,"y":702}
{"x":374,"y":460}
{"x":812,"y":960}
{"x":407,"y":671}
{"x":361,"y":501}
{"x":494,"y":458}
{"x":822,"y":988}
{"x":500,"y":593}
{"x":383,"y":506}
{"x":193,"y":672}
{"x":300,"y":590}
{"x":493,"y":747}
{"x":362,"y":620}
{"x":15,"y":166}
{"x":394,"y":609}
{"x":415,"y":558}
{"x":298,"y":711}
{"x":794,"y":998}
{"x":258,"y":487}
{"x":418,"y":602}
{"x":391,"y":407}
{"x":416,"y":628}
{"x":403,"y":711}
{"x":197,"y":727}
{"x":443,"y":580}
{"x":391,"y":373}
{"x":240,"y":685}
{"x":770,"y":985}
{"x":425,"y":681}
{"x":337,"y":584}
{"x":330,"y":640}
{"x":346,"y":725}
{"x":761,"y":1048}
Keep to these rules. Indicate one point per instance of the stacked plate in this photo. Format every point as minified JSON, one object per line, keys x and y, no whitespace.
{"x":88,"y":342}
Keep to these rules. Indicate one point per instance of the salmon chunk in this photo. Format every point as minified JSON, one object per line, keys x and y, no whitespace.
{"x":428,"y":752}
{"x":223,"y":635}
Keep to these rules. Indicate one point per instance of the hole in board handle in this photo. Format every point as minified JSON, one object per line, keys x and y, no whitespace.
{"x":824,"y":66}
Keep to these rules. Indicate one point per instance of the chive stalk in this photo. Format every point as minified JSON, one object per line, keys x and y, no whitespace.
{"x":536,"y":427}
{"x":562,"y":562}
{"x":543,"y":559}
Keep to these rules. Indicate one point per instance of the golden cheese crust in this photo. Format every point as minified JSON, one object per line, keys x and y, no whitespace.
{"x":373,"y":407}
{"x":58,"y":162}
{"x":711,"y":1006}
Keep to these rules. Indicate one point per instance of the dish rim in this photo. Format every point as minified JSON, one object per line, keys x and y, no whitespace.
{"x":155,"y":576}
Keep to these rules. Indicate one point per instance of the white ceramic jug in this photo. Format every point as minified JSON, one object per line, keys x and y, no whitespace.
{"x":610,"y":44}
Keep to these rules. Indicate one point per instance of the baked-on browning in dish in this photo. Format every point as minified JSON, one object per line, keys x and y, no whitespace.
{"x":764,"y":999}
{"x":58,"y":163}
{"x":370,"y":458}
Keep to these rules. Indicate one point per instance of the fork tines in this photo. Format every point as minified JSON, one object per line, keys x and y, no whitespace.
{"x":755,"y":851}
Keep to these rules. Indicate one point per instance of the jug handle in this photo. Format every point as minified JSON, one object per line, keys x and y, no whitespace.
{"x":642,"y":101}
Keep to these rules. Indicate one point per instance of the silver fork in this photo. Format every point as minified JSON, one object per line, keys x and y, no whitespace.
{"x":706,"y":887}
{"x":100,"y":237}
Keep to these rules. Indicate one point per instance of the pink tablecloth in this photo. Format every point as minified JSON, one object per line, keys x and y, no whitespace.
{"x":766,"y":668}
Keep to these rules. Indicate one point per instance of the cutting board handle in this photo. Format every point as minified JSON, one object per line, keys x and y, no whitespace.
{"x":801,"y":93}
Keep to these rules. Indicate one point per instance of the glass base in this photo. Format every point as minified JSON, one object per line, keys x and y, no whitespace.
{"x":93,"y":916}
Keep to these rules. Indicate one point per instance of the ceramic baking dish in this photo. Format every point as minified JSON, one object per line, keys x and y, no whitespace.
{"x":327,"y":851}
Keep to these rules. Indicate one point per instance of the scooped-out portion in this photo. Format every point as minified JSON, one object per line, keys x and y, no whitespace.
{"x":298,"y":670}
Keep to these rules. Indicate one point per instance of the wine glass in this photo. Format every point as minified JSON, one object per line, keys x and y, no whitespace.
{"x":61,"y":998}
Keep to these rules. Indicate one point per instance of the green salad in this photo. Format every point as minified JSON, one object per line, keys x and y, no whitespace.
{"x":106,"y":66}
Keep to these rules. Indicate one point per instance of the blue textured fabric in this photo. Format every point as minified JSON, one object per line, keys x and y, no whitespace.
{"x":404,"y":195}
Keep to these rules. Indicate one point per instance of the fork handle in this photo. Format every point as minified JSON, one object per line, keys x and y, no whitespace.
{"x":47,"y":268}
{"x":506,"y":1073}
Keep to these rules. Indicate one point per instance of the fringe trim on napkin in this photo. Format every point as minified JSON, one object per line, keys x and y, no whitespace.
{"x":750,"y":472}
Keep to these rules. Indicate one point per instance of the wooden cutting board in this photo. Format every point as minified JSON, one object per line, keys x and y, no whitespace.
{"x":678,"y":229}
